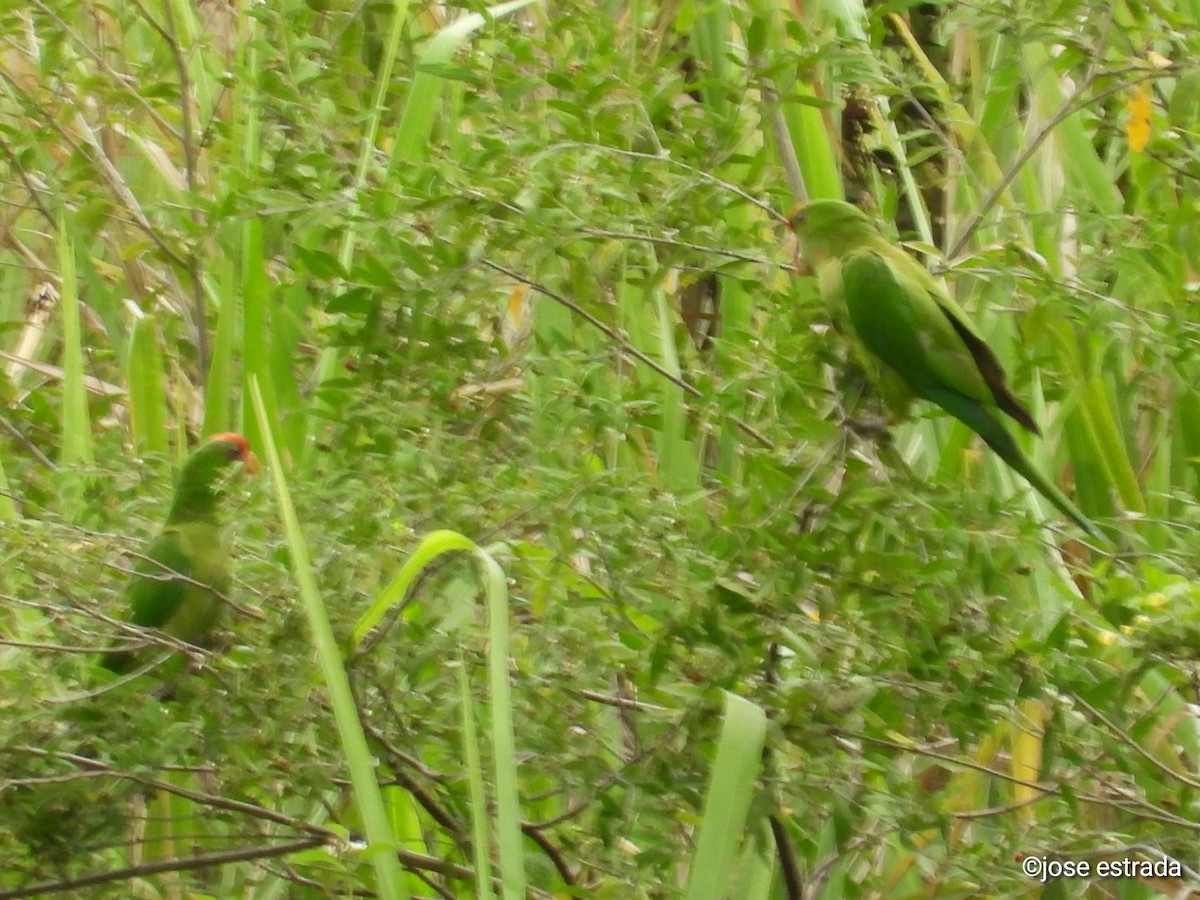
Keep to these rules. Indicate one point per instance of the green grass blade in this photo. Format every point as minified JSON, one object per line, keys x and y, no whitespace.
{"x":416,"y":122}
{"x":432,"y":546}
{"x":252,"y":288}
{"x":1077,"y":153}
{"x":147,"y":391}
{"x":727,"y":803}
{"x":508,"y":816}
{"x":358,"y":756}
{"x":77,"y":431}
{"x":327,"y":363}
{"x":8,"y":509}
{"x":474,"y":764}
{"x":508,"y":810}
{"x":219,"y":385}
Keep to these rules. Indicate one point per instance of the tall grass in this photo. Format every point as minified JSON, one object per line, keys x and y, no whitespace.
{"x":432,"y":264}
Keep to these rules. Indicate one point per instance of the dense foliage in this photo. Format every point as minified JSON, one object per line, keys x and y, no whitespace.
{"x":473,"y":272}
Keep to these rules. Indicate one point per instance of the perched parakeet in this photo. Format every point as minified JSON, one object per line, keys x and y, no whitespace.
{"x":910,"y":337}
{"x":190,"y":545}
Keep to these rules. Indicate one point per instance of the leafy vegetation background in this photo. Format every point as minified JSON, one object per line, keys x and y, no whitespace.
{"x":470,"y":266}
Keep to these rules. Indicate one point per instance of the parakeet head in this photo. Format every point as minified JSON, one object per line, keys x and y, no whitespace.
{"x":232,"y":447}
{"x":826,"y":228}
{"x":195,"y":493}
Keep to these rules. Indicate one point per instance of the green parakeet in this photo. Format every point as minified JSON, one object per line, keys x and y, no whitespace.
{"x":911,"y":338}
{"x":180,"y":577}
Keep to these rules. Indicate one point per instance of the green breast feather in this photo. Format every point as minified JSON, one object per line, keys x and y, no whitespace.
{"x":180,"y":578}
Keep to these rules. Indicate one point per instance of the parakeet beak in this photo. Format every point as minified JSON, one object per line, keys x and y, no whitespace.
{"x":796,"y":219}
{"x":796,"y":216}
{"x":250,"y":461}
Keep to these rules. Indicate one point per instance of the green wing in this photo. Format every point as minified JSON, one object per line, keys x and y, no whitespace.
{"x":184,"y":607}
{"x":155,"y":594}
{"x":901,"y":316}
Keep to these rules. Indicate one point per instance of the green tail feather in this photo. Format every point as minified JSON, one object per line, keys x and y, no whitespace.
{"x":981,"y":420}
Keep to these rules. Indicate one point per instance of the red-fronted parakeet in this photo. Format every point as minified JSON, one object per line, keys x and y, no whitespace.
{"x":911,"y":338}
{"x":180,"y":577}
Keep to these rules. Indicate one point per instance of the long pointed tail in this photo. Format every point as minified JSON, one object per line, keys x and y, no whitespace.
{"x":980,"y":420}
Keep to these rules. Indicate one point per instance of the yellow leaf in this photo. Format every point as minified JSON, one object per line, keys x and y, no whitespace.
{"x":518,"y":317}
{"x":1027,"y":751}
{"x":1137,"y":126}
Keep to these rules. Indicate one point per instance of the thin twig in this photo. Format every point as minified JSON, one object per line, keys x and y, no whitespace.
{"x":206,"y":861}
{"x":1167,"y":771}
{"x":564,"y":871}
{"x":623,"y":345}
{"x":621,"y":702}
{"x":792,"y":883}
{"x":687,"y":245}
{"x":667,"y":160}
{"x":1075,"y":102}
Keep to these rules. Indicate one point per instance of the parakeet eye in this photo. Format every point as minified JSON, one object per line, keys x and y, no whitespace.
{"x":797,"y":216}
{"x":235,"y":446}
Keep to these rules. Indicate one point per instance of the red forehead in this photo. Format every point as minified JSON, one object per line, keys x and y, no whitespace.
{"x":229,"y":437}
